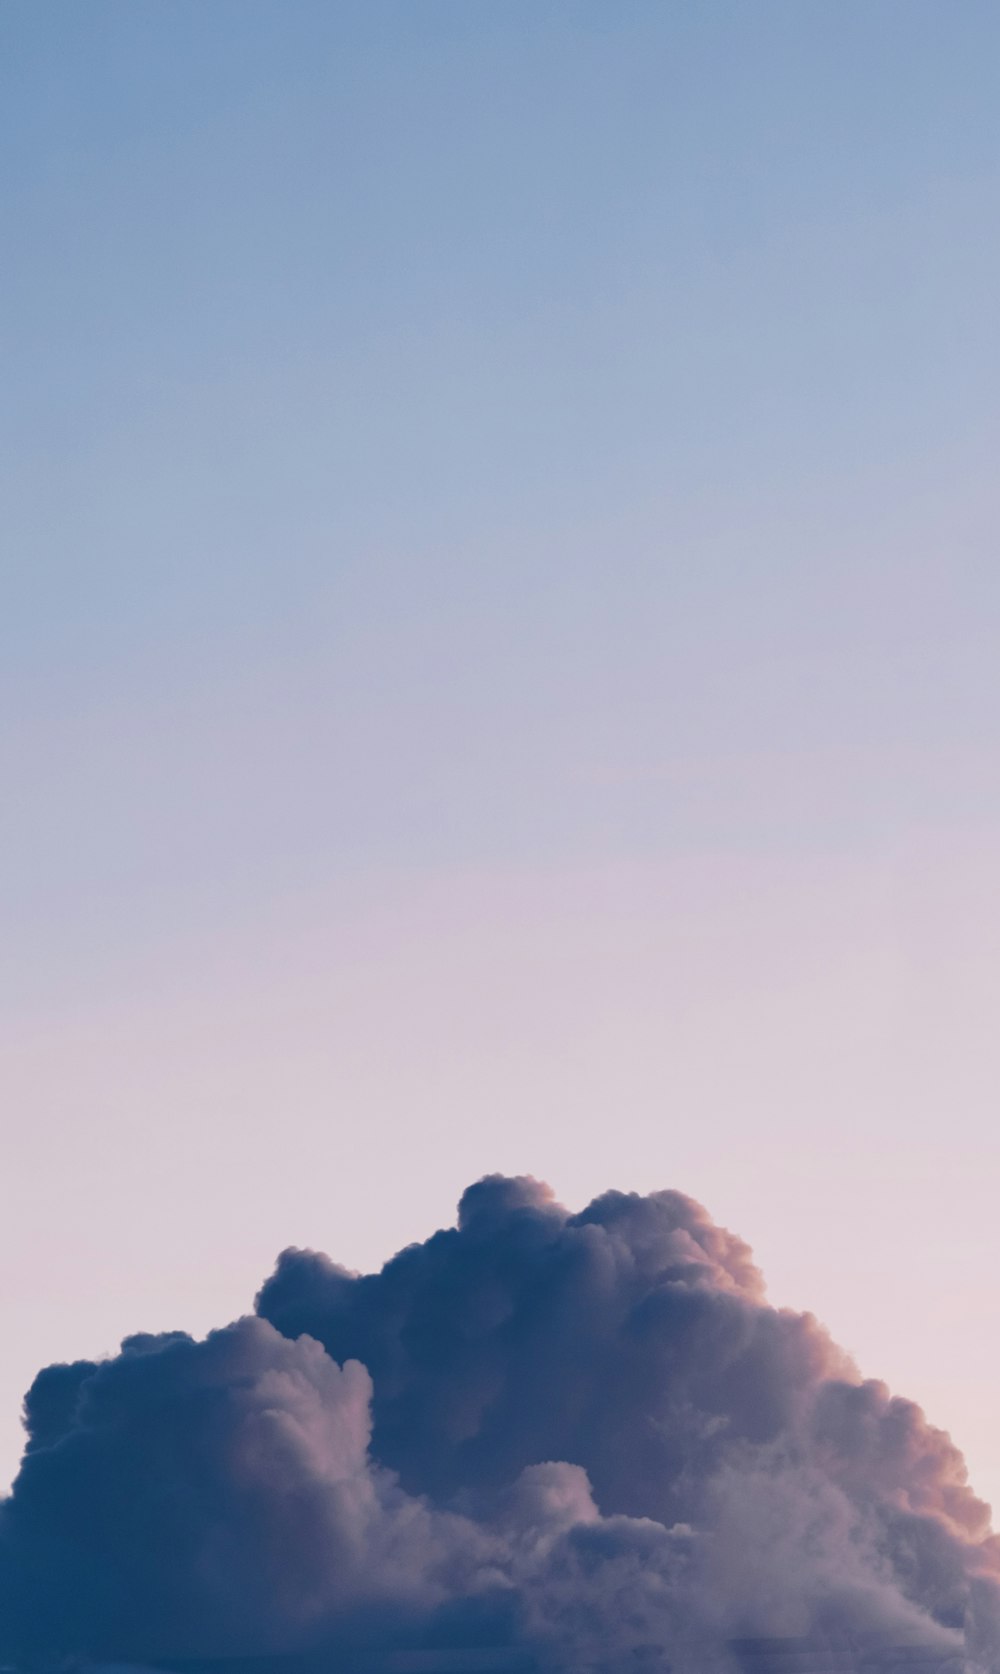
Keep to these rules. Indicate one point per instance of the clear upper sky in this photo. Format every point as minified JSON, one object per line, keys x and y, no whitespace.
{"x":498,"y":646}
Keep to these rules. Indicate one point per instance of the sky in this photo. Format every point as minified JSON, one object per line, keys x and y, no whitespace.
{"x":498,"y":647}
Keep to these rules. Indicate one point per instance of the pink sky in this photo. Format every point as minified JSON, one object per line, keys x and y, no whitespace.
{"x":809,"y":1048}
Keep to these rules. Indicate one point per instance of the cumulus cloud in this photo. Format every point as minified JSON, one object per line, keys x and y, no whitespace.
{"x":577,"y":1441}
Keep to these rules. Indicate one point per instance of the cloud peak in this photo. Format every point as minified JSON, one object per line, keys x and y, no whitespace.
{"x":568,"y":1440}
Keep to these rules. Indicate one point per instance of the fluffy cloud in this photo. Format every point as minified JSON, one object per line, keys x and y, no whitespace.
{"x":583,"y":1441}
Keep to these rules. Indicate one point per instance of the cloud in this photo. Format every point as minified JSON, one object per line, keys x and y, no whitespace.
{"x":578,"y":1441}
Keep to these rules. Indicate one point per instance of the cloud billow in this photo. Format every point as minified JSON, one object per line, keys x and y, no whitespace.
{"x":538,"y":1440}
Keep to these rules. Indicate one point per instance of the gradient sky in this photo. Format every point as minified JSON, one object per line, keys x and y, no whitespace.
{"x":498,"y":648}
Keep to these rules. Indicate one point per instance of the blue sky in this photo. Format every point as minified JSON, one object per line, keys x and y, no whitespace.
{"x":500,"y":548}
{"x":557,"y":360}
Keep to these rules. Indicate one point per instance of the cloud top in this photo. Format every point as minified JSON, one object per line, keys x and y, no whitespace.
{"x":584,"y":1441}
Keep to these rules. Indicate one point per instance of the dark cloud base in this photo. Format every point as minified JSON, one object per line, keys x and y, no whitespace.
{"x":537,"y":1443}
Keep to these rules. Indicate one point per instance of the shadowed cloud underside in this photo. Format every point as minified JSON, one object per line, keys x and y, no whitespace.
{"x":553,"y":1440}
